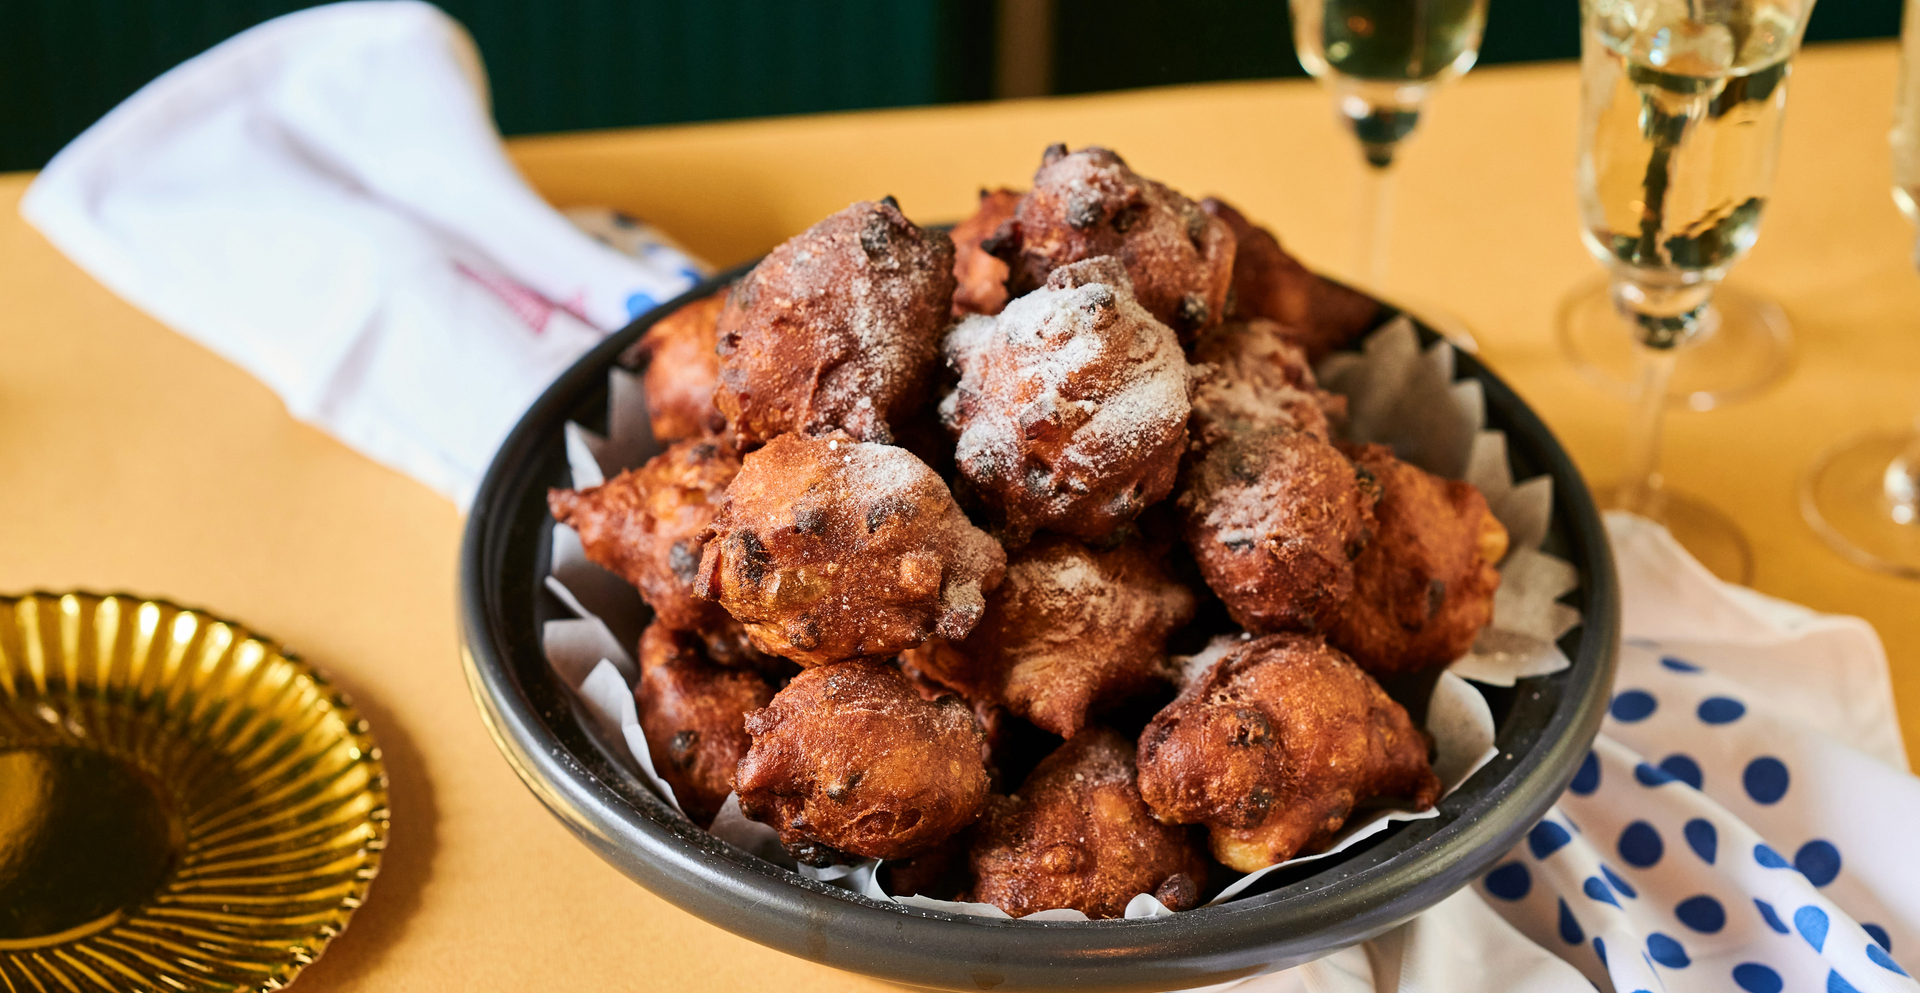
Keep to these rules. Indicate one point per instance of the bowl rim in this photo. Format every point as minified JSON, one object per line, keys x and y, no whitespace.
{"x":644,"y":839}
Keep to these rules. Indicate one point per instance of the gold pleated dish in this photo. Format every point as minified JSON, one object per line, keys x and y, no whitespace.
{"x":183,"y":805}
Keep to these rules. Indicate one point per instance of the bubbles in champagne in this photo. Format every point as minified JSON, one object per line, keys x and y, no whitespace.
{"x":1684,"y":101}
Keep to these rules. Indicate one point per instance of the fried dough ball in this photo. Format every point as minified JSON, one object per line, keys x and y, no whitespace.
{"x":682,"y":371}
{"x":837,"y":328}
{"x":1075,"y":630}
{"x":1272,"y":748}
{"x":1251,"y":376}
{"x":694,"y":716}
{"x":849,"y":761}
{"x":1071,"y":410}
{"x":1078,"y":836}
{"x":980,"y":276}
{"x":645,"y":526}
{"x":1424,"y":586}
{"x":987,"y":714}
{"x":1316,"y":313}
{"x":831,"y":549}
{"x":1087,"y":204}
{"x":1275,"y":518}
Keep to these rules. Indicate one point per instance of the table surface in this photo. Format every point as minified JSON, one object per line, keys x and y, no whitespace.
{"x":135,"y":460}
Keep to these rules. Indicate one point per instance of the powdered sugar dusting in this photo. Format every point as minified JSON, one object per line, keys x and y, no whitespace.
{"x":836,"y":328}
{"x":1226,"y":400}
{"x":1251,"y":377}
{"x":884,"y":356}
{"x":1069,"y":581}
{"x":1074,"y":629}
{"x":1089,"y":204}
{"x":873,"y":471}
{"x":1193,"y":667}
{"x":1070,"y":388}
{"x":1249,"y":507}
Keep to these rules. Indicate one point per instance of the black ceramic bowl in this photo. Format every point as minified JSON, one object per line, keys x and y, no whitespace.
{"x":1546,"y":725}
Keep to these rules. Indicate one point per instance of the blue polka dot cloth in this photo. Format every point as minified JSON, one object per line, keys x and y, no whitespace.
{"x":1741,"y":824}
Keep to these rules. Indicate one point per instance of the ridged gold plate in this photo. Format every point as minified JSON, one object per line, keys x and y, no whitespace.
{"x":183,"y":805}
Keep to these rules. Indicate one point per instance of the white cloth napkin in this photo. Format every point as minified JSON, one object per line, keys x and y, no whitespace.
{"x":1741,"y":825}
{"x":323,"y":200}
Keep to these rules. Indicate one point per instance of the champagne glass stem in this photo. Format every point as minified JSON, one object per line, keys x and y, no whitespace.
{"x":1640,"y":484}
{"x":1376,"y":225}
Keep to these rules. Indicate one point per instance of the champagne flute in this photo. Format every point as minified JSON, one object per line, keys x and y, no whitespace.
{"x":1682,"y":103}
{"x":1864,"y":496}
{"x":1381,"y":58}
{"x":1725,"y":65}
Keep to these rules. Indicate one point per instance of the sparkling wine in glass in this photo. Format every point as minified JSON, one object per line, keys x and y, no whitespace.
{"x":1381,"y":58}
{"x":1863,"y":497}
{"x":1682,"y":106}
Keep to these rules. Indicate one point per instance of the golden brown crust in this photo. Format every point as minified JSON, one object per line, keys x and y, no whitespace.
{"x":837,"y":328}
{"x":694,"y":716}
{"x":988,"y":715}
{"x":1087,"y":204}
{"x":1071,"y":410}
{"x":1317,"y":314}
{"x":1273,"y":746}
{"x":1251,"y":376}
{"x":980,"y":276}
{"x":682,"y":371}
{"x":645,"y":526}
{"x":1424,"y":586}
{"x":1078,"y":836}
{"x":831,"y":549}
{"x":1275,"y":519}
{"x":1074,"y":630}
{"x":848,"y":760}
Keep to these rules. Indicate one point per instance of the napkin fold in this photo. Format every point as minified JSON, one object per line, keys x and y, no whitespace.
{"x":323,"y":200}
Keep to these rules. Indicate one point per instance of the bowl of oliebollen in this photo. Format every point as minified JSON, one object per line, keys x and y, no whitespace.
{"x":1088,"y":596}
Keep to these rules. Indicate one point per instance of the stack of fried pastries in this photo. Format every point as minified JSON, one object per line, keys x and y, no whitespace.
{"x":942,"y":522}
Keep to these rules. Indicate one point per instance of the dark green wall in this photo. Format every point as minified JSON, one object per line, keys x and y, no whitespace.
{"x":555,"y":65}
{"x":1120,"y":44}
{"x":559,"y":65}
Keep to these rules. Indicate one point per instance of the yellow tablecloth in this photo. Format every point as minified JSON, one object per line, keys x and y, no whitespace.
{"x":135,"y":460}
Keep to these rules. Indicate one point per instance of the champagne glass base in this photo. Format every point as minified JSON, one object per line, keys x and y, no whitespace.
{"x":1844,"y":497}
{"x":1744,"y":348}
{"x":1708,"y":535}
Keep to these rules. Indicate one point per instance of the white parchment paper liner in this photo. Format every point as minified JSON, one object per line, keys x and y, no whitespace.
{"x":1406,"y":398}
{"x":1398,"y":394}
